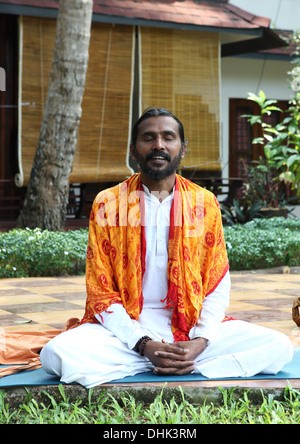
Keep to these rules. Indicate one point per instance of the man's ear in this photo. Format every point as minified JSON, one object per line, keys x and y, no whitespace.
{"x":184,"y":149}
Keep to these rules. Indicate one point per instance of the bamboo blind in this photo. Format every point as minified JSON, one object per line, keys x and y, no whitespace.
{"x":37,"y":44}
{"x":103,"y":136}
{"x":180,"y":72}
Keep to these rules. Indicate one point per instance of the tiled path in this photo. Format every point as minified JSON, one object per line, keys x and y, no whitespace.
{"x":46,"y":303}
{"x":40,"y":303}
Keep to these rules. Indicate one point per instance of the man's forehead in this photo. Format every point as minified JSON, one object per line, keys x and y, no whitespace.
{"x":160,"y":124}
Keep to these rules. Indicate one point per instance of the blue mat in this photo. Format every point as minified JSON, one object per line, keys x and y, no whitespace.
{"x":40,"y":377}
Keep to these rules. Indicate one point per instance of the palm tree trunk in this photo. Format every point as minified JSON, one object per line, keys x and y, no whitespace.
{"x":48,"y":189}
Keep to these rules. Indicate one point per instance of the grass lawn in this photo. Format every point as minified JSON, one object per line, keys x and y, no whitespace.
{"x":106,"y":410}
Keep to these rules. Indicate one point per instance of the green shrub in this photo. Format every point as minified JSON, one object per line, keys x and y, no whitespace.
{"x":263,"y":243}
{"x":29,"y":252}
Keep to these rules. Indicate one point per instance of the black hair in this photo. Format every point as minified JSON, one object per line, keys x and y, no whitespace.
{"x":155,"y":112}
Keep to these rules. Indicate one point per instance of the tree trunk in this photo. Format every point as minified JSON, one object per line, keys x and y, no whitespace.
{"x":48,"y":189}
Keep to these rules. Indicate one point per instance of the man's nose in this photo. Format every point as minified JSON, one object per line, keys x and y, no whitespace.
{"x":158,"y":143}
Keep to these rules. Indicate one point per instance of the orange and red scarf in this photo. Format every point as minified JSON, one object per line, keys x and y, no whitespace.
{"x":117,"y":249}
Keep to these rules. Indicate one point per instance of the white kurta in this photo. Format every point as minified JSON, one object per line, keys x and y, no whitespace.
{"x":93,"y":354}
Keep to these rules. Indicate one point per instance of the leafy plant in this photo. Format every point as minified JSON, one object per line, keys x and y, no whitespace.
{"x":281,"y":142}
{"x":241,"y":212}
{"x":259,"y":192}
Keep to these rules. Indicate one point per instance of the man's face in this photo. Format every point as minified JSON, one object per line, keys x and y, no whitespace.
{"x":158,"y":148}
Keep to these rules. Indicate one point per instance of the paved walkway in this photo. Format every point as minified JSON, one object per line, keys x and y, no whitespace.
{"x":46,"y":303}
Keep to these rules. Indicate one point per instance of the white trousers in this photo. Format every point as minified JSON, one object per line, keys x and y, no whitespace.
{"x":90,"y":355}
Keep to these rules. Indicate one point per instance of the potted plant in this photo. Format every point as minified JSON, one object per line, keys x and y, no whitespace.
{"x":260,"y":196}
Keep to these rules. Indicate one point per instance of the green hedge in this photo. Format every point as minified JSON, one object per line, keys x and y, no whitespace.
{"x":261,"y":243}
{"x":28,"y":252}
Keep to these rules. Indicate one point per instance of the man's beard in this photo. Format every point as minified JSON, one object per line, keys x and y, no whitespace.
{"x":158,"y":173}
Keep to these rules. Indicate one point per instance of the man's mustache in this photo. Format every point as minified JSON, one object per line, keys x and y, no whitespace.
{"x":160,"y":154}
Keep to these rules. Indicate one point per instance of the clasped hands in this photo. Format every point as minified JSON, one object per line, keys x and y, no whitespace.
{"x":174,"y":359}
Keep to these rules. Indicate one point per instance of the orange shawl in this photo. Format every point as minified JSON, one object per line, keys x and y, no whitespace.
{"x":20,"y":350}
{"x":117,"y":249}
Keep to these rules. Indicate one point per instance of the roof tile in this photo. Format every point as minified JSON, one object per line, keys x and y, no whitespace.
{"x":210,"y":13}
